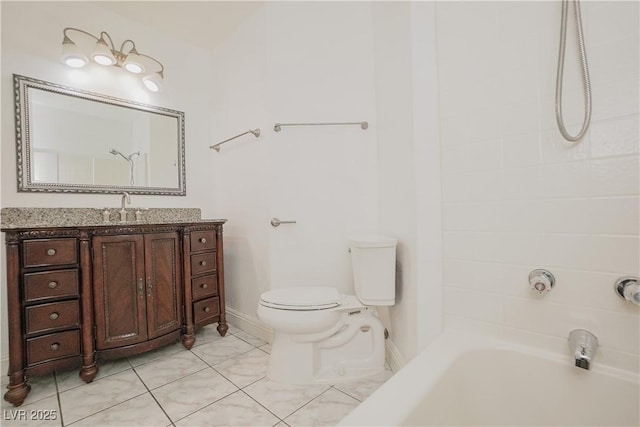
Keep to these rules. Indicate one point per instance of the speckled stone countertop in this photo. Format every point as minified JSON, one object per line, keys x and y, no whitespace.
{"x":12,"y":218}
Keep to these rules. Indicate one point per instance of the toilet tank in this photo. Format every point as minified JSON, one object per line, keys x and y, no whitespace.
{"x":373,"y":260}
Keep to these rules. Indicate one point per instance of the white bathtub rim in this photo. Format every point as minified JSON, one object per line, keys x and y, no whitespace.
{"x":384,"y":408}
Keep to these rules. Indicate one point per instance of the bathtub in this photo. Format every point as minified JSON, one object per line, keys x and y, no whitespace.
{"x":467,"y":380}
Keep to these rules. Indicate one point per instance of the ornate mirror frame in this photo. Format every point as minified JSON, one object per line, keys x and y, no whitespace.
{"x":24,"y":150}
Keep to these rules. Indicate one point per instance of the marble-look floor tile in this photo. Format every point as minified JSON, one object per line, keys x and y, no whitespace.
{"x":80,"y":402}
{"x":246,"y":368}
{"x":233,"y":329}
{"x":159,"y":353}
{"x":207,"y":334}
{"x":170,"y":368}
{"x":44,"y":412}
{"x":67,"y":380}
{"x":141,"y":411}
{"x":188,"y":394}
{"x":283,"y":399}
{"x":363,"y":388}
{"x":254,"y":341}
{"x":266,"y":348}
{"x":237,"y":409}
{"x":218,"y":351}
{"x":325,"y":410}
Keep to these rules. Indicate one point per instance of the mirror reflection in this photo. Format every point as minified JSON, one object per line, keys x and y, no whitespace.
{"x":76,"y":141}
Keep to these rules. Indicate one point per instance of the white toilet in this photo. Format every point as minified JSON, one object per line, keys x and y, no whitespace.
{"x":322,"y":336}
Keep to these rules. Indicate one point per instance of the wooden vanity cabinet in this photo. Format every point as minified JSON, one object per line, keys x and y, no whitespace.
{"x":137,"y":286}
{"x":80,"y":295}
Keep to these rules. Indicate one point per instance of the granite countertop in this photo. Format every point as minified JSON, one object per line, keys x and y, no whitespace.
{"x":17,"y":218}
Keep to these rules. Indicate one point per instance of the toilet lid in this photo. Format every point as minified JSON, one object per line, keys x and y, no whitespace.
{"x":302,"y":298}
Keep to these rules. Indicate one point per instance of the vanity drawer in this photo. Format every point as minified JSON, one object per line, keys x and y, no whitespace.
{"x":44,"y":317}
{"x":205,"y":309}
{"x":203,"y":240}
{"x":39,"y":253}
{"x":53,"y":346}
{"x":50,"y":284}
{"x":203,"y":263}
{"x":205,"y":286}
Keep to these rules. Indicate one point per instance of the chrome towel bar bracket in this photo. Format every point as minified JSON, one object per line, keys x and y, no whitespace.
{"x":363,"y":125}
{"x":255,"y":132}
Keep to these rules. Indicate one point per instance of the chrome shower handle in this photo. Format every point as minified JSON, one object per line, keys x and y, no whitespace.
{"x":275,"y":222}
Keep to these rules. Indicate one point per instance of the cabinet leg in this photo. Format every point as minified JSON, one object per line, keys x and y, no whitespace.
{"x":223,"y":327}
{"x":188,"y":340}
{"x":88,"y":373}
{"x":17,"y":391}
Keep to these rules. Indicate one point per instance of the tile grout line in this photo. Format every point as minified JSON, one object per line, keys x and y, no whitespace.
{"x":154,"y":398}
{"x":55,"y":380}
{"x":330,"y":387}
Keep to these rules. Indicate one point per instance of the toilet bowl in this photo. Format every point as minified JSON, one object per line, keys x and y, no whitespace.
{"x":324,"y":337}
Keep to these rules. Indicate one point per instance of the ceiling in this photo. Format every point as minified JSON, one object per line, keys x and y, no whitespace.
{"x":202,"y":24}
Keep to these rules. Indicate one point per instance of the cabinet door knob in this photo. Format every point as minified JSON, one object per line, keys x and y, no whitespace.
{"x":207,"y":309}
{"x":54,"y":316}
{"x":51,"y":252}
{"x":203,"y":263}
{"x":204,"y":286}
{"x":53,"y":285}
{"x":203,"y":240}
{"x":55,"y":346}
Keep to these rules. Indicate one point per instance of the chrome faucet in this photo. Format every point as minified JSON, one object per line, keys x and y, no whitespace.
{"x":123,"y":211}
{"x":583,"y":344}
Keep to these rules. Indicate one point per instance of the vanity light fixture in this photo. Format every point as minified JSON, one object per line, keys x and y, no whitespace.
{"x":103,"y":53}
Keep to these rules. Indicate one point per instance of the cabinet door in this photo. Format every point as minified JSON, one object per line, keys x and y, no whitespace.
{"x":119,"y":290}
{"x":164,"y":283}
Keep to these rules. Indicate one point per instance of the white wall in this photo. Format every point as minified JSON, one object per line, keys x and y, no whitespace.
{"x":326,"y":62}
{"x":516,"y":196}
{"x":283,"y":65}
{"x":408,"y":167}
{"x":33,"y":50}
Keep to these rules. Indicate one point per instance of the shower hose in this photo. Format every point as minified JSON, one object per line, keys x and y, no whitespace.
{"x":560,"y":74}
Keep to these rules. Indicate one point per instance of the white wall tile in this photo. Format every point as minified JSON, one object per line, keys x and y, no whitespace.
{"x":572,"y":208}
{"x":618,"y":331}
{"x":615,"y":137}
{"x":615,"y":177}
{"x":478,"y":305}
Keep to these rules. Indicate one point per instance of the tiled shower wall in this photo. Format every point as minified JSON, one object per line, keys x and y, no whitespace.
{"x":516,"y":196}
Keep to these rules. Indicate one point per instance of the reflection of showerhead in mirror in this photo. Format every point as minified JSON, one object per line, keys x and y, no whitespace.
{"x":127,"y":158}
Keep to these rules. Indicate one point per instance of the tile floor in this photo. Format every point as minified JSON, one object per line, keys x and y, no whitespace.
{"x":220,"y":381}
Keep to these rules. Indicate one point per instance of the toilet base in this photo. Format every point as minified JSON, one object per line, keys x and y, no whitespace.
{"x":355,"y":352}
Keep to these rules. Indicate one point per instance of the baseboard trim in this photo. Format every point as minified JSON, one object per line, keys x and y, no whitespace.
{"x":393,"y":356}
{"x":249,"y":324}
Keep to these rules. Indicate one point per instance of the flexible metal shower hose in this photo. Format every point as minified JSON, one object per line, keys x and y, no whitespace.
{"x":585,"y":73}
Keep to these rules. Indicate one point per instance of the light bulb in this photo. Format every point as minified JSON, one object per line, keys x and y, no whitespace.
{"x":72,"y":55}
{"x":133,"y":63}
{"x":153,"y":82}
{"x":102,"y":54}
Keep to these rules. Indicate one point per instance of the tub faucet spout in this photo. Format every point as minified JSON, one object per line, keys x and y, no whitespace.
{"x":583,"y":344}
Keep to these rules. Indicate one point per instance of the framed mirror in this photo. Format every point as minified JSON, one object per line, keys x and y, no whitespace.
{"x":74,"y":141}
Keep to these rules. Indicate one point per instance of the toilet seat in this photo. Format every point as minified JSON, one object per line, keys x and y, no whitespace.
{"x":302,"y":298}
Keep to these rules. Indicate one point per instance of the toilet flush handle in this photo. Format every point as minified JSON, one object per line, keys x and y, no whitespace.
{"x":275,"y":222}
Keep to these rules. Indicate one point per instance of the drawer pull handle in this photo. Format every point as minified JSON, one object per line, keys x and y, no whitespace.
{"x":207,"y":309}
{"x":51,"y":252}
{"x":203,"y":263}
{"x":54,"y":316}
{"x":204,"y":286}
{"x":53,"y":285}
{"x":203,"y":240}
{"x":55,"y":346}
